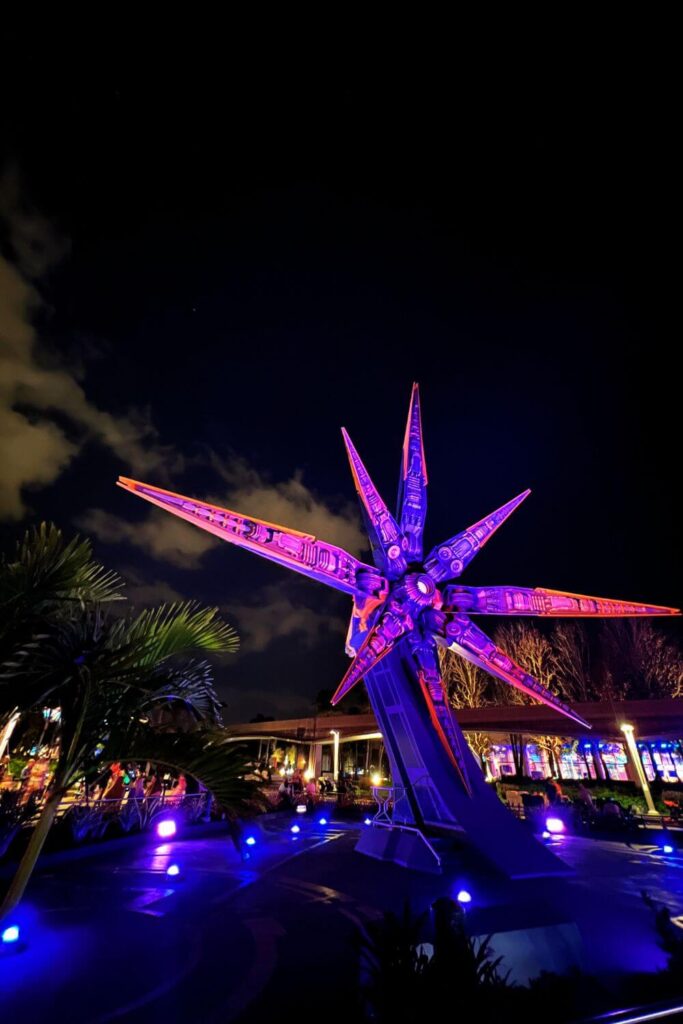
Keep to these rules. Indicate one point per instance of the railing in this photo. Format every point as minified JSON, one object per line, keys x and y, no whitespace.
{"x":92,"y":818}
{"x":386,"y":798}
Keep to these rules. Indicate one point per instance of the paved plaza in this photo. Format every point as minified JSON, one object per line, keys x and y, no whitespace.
{"x":111,"y":936}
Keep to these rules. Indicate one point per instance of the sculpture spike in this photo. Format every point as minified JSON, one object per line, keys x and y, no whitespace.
{"x":289,"y":548}
{"x":472,"y":643}
{"x":447,"y":561}
{"x":394,"y":623}
{"x":386,"y":539}
{"x":412,"y":487}
{"x":540,"y":601}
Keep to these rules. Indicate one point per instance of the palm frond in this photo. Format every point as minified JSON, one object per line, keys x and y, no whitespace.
{"x":190,"y":682}
{"x":48,"y":581}
{"x":180,"y":628}
{"x":47,"y":570}
{"x":96,"y":650}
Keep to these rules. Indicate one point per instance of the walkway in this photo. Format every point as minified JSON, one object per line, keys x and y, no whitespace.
{"x":112,"y":937}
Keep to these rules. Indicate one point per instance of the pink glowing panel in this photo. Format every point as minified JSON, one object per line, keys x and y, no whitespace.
{"x":540,"y":601}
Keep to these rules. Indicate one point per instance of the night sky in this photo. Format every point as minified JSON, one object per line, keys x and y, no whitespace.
{"x":205,"y":275}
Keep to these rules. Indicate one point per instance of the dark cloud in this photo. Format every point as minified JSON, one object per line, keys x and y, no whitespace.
{"x":274,"y":613}
{"x":160,"y":535}
{"x":46,"y":416}
{"x":288,"y":502}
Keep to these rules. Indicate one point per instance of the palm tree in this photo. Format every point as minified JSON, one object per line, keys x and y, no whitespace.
{"x":107,"y":673}
{"x":46,"y":581}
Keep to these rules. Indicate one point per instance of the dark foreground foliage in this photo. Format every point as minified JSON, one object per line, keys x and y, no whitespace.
{"x":420,"y":966}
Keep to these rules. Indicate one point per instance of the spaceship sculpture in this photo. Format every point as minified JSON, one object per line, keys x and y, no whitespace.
{"x":404,"y":607}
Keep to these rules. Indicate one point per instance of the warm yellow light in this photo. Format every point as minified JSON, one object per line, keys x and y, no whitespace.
{"x":376,"y":779}
{"x":282,"y":771}
{"x":637,"y":763}
{"x":308,"y":775}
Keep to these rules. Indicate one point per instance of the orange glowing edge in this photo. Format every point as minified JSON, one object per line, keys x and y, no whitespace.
{"x":441,"y":733}
{"x":652,"y":609}
{"x":132,"y":485}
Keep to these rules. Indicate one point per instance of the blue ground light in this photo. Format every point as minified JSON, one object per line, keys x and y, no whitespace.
{"x":250,"y":841}
{"x":166,"y":828}
{"x":10,"y":935}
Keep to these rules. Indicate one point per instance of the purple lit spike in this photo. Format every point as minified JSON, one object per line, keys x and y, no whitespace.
{"x":472,"y":643}
{"x":447,"y":561}
{"x":386,"y":539}
{"x":542,"y":602}
{"x":299,"y":551}
{"x":412,"y":488}
{"x":394,"y":623}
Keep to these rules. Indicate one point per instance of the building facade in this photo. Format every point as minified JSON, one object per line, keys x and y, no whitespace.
{"x":509,"y":740}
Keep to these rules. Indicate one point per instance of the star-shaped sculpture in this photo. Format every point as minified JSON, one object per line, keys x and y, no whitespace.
{"x":406,"y":598}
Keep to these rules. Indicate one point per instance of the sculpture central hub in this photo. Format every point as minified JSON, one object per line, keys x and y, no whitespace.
{"x":421,"y":590}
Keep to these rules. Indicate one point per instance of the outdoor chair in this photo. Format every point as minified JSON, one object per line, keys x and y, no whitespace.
{"x":513,"y":798}
{"x":672,"y":800}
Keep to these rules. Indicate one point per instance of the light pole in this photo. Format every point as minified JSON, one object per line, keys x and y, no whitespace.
{"x":637,"y":764}
{"x":335,"y":763}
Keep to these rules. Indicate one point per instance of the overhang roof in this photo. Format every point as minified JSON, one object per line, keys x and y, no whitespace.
{"x":651,"y":719}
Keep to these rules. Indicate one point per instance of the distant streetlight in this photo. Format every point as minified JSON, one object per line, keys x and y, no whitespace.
{"x":335,"y":767}
{"x":638,"y":766}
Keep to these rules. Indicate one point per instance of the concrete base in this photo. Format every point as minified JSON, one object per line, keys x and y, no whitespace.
{"x":408,"y":849}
